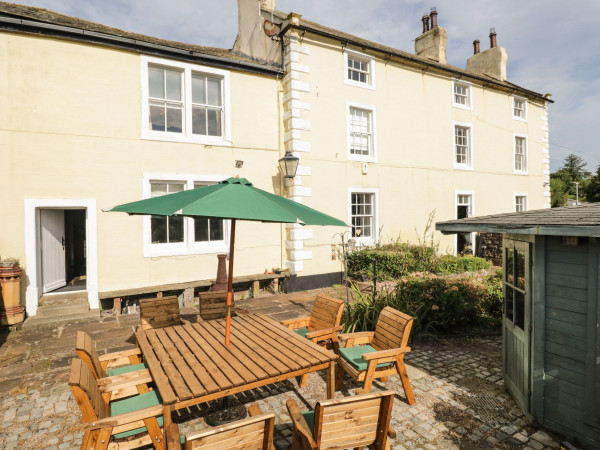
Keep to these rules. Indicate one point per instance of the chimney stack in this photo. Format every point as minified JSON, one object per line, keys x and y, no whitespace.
{"x":433,"y":16}
{"x":433,"y":41}
{"x":491,"y":62}
{"x":493,"y":38}
{"x":425,"y":20}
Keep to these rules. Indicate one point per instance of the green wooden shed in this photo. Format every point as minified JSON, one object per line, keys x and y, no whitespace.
{"x":551,"y":321}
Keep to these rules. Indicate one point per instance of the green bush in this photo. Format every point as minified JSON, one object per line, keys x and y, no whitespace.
{"x":438,"y":305}
{"x":395,"y":261}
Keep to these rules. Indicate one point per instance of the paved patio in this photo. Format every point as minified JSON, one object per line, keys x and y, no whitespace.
{"x":460,"y":398}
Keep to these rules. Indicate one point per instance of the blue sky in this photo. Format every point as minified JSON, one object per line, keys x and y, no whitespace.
{"x":552,"y":45}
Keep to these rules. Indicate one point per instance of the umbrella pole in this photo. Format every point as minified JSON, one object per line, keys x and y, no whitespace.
{"x":230,"y":284}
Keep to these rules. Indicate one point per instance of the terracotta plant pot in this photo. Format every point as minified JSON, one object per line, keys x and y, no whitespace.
{"x":11,"y":311}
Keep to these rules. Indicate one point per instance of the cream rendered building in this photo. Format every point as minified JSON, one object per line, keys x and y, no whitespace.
{"x":385,"y":138}
{"x":94,"y":117}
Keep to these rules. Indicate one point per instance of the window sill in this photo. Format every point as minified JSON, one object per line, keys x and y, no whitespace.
{"x":361,"y":158}
{"x":156,"y":250}
{"x":462,"y":167}
{"x":520,"y":172}
{"x":520,"y":119}
{"x":175,"y":137}
{"x":459,"y":106}
{"x":359,"y":84}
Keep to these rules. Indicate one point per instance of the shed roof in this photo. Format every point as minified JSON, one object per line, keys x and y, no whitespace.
{"x":32,"y":19}
{"x":581,"y":220}
{"x":409,"y":57}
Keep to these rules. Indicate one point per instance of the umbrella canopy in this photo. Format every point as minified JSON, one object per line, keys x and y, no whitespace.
{"x":234,"y":199}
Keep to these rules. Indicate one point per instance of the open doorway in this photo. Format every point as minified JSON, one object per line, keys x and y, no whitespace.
{"x":464,"y":241}
{"x":63,"y":249}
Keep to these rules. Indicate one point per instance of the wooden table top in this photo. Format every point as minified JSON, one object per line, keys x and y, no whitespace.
{"x":190,"y":363}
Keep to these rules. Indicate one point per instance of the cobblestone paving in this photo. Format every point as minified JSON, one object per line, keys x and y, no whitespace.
{"x":460,"y":398}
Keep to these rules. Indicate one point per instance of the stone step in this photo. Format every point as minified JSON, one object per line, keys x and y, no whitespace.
{"x":62,"y":298}
{"x":36,"y":322}
{"x":64,"y":309}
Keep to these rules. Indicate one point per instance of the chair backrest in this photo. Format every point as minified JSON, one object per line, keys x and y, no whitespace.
{"x":159,"y":312}
{"x":356,"y":421}
{"x":326,"y":313}
{"x":213,"y":304}
{"x":253,"y":433}
{"x":392,"y":330}
{"x":86,"y":350}
{"x":86,"y":391}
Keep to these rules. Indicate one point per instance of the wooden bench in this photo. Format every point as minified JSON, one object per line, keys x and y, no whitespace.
{"x":361,"y":420}
{"x":255,"y":432}
{"x":369,"y":355}
{"x":159,"y":312}
{"x":213,"y":305}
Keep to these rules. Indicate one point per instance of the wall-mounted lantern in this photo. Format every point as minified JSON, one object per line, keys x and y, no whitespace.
{"x":289,"y":165}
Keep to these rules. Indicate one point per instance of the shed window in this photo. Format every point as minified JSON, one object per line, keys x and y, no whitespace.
{"x":515,"y":287}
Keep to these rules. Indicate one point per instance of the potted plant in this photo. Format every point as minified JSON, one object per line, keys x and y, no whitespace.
{"x":11,"y":311}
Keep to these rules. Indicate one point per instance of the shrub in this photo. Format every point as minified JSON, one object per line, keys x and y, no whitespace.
{"x":397,"y":260}
{"x":437,"y":305}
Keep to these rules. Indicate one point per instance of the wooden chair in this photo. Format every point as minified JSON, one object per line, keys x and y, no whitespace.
{"x":138,"y":418}
{"x":213,"y":305}
{"x":369,"y":355}
{"x":321,"y":326}
{"x":112,"y":365}
{"x":361,"y":420}
{"x":256,"y":432}
{"x":160,"y":312}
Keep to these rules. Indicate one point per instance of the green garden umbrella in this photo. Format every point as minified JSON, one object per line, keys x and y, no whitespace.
{"x":234,"y":199}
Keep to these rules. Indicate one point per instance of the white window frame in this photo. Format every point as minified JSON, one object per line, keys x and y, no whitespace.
{"x":361,"y":240}
{"x":525,"y":195}
{"x":526,"y":155}
{"x":372,"y":156}
{"x":188,"y":246}
{"x":524,"y":100}
{"x":469,"y":165}
{"x":469,"y":87}
{"x":472,"y":213}
{"x":186,"y":135}
{"x":363,"y":57}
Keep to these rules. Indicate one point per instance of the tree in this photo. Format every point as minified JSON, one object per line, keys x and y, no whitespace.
{"x":559,"y":192}
{"x":592,"y":191}
{"x":562,"y":182}
{"x":575,"y":166}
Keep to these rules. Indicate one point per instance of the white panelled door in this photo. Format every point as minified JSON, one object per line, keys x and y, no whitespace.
{"x":52,"y":227}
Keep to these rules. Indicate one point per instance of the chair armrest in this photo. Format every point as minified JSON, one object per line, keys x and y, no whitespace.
{"x":124,"y":419}
{"x":122,"y":354}
{"x":324,"y":333}
{"x":358,"y":338}
{"x":172,"y":437}
{"x":298,"y":322}
{"x":254,"y":410}
{"x":116,"y":382}
{"x":385,"y":353}
{"x":391,"y":432}
{"x":299,"y":423}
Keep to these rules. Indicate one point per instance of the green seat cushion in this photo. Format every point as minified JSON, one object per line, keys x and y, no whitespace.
{"x":354,"y":356}
{"x":309,"y":416}
{"x":126,"y":369}
{"x":302,"y":331}
{"x":135,"y":404}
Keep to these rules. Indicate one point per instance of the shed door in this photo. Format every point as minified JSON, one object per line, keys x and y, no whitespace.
{"x":52,"y":228}
{"x":516,"y":329}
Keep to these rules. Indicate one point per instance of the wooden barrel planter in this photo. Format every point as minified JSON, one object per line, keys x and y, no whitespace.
{"x":11,"y":311}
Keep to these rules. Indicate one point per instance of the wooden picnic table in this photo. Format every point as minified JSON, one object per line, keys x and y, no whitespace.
{"x":191,"y":364}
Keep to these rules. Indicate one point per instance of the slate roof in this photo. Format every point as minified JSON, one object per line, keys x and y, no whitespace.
{"x":346,"y":37}
{"x":25,"y":18}
{"x":581,"y":220}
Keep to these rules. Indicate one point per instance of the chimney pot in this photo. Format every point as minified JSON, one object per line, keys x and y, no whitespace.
{"x":493,"y":38}
{"x":433,"y":15}
{"x":476,"y":46}
{"x":425,"y":20}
